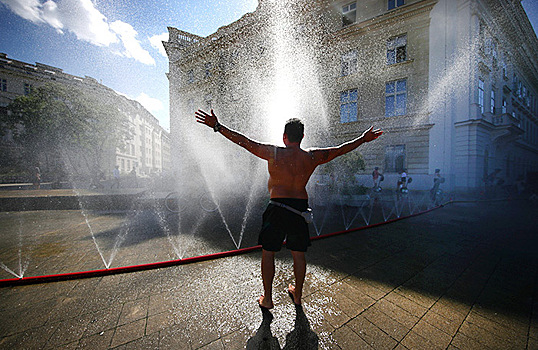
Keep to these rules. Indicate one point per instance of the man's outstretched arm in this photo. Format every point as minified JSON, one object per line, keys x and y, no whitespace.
{"x":261,"y":150}
{"x":324,"y":155}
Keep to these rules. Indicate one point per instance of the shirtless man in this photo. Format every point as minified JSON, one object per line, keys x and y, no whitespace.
{"x":290,"y":168}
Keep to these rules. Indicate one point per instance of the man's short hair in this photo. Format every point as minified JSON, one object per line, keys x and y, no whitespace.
{"x":294,"y":129}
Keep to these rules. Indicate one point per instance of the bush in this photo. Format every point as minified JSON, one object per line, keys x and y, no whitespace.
{"x":344,"y":168}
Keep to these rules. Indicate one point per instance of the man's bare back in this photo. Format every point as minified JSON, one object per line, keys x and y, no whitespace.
{"x":290,"y":169}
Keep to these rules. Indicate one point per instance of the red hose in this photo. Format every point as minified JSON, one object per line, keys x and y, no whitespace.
{"x":168,"y":263}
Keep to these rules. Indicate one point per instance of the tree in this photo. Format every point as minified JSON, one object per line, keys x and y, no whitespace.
{"x":66,"y":128}
{"x":344,"y":168}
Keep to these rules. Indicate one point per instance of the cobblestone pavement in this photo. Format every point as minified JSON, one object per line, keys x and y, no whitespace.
{"x":460,"y":277}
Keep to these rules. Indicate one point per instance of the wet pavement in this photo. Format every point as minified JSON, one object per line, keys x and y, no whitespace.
{"x":68,"y":199}
{"x":460,"y":277}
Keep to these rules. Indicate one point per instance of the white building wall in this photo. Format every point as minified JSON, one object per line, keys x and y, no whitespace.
{"x":450,"y":92}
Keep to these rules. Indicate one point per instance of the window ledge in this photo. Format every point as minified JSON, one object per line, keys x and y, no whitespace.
{"x":400,"y":63}
{"x":349,"y":25}
{"x":396,"y":8}
{"x":347,"y":75}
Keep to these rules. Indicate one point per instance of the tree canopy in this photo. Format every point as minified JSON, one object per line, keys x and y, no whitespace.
{"x":65,"y":126}
{"x":344,"y":168}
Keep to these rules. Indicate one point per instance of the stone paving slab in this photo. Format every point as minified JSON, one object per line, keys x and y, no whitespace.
{"x":460,"y":277}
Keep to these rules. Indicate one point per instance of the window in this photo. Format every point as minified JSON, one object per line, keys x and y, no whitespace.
{"x":234,"y":58}
{"x":395,"y":98}
{"x":394,"y":158}
{"x":395,"y":3}
{"x":208,"y":101}
{"x":348,"y":106}
{"x":349,"y":63}
{"x":3,"y":85}
{"x":397,"y":49}
{"x":481,"y":95}
{"x":492,"y":101}
{"x":488,"y":45}
{"x":481,"y":36}
{"x":504,"y":106}
{"x":349,"y":14}
{"x":207,"y":69}
{"x":236,"y":93}
{"x":505,"y":70}
{"x":27,"y":89}
{"x":190,"y":77}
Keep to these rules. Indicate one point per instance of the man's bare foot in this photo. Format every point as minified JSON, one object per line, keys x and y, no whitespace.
{"x":291,"y":293}
{"x":264,"y":303}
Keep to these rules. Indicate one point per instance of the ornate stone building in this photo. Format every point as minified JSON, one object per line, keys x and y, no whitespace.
{"x":148,"y":149}
{"x":452,"y":82}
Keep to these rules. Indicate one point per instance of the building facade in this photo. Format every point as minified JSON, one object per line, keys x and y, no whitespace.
{"x":453,"y":83}
{"x":143,"y":151}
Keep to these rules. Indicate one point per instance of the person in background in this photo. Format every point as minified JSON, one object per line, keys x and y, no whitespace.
{"x":134,"y":177}
{"x":37,"y":178}
{"x":437,"y":180}
{"x":116,"y":177}
{"x":491,"y":181}
{"x":375,"y":176}
{"x":402,"y":180}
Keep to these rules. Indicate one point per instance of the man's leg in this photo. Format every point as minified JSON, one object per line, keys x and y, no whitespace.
{"x":268,"y":273}
{"x":299,"y":270}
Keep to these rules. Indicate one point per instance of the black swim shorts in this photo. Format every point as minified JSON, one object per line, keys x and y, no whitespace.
{"x":280,"y":223}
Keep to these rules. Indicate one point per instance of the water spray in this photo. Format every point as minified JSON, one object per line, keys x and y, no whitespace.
{"x":169,"y":263}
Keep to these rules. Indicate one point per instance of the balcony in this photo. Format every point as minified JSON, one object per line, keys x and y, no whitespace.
{"x":504,"y":119}
{"x":507,"y":128}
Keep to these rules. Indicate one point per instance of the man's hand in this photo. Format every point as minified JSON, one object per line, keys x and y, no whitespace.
{"x":204,"y":118}
{"x":371,"y":134}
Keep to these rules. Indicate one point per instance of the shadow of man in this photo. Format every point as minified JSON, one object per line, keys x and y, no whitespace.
{"x":302,"y":336}
{"x":263,"y":339}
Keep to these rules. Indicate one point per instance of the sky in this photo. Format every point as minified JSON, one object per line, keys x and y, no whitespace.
{"x":118,"y":42}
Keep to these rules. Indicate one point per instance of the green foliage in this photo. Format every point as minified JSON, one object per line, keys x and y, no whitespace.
{"x":345,"y":166}
{"x":64,"y":125}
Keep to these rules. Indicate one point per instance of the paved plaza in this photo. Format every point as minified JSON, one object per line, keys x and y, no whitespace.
{"x":463,"y":276}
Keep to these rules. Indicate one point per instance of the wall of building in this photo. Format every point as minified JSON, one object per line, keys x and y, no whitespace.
{"x":449,"y":46}
{"x":369,"y":37}
{"x":477,"y":41}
